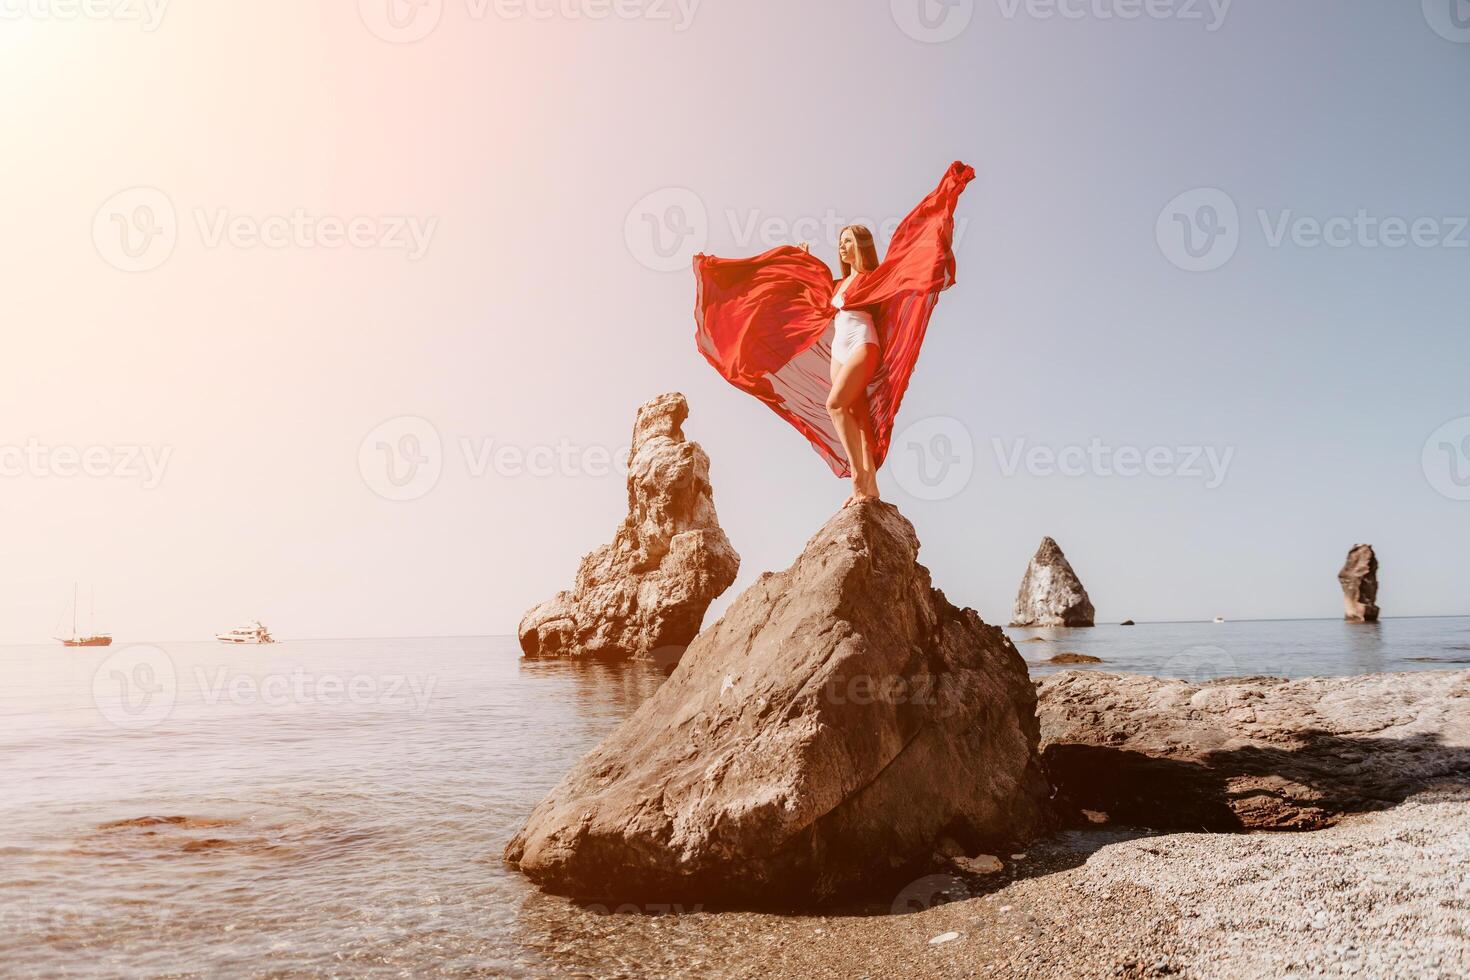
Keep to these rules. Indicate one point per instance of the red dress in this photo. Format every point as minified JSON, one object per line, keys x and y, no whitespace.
{"x":760,"y":321}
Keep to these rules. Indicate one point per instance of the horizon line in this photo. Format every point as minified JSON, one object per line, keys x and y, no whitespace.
{"x":474,"y":636}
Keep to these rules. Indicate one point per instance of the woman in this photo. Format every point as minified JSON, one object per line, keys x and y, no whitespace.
{"x":833,"y":356}
{"x":855,"y":356}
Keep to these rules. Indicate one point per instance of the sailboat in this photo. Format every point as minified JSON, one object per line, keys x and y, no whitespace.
{"x":91,"y":639}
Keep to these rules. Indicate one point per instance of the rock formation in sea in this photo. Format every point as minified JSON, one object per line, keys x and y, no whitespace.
{"x":1051,"y":594}
{"x":645,"y":594}
{"x":1254,"y":753}
{"x":1074,"y":658}
{"x":816,"y":742}
{"x":1359,"y":580}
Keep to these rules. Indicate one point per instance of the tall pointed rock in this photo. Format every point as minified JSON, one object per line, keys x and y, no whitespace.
{"x":1051,"y":594}
{"x":644,"y":595}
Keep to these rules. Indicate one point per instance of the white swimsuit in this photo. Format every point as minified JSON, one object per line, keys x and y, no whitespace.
{"x":850,"y":329}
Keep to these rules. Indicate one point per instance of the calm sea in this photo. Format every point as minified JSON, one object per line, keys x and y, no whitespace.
{"x":339,"y":806}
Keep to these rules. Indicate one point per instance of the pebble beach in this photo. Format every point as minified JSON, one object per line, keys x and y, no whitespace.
{"x":1383,"y":894}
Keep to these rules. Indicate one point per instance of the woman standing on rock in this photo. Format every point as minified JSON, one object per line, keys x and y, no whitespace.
{"x":833,"y":356}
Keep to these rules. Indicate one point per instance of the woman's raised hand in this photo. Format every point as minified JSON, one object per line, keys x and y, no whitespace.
{"x":805,"y":247}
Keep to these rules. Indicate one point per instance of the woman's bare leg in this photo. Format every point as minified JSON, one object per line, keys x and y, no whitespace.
{"x":870,"y":442}
{"x":847,"y":406}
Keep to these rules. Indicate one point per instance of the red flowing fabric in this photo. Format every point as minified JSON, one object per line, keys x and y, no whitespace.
{"x":764,"y":323}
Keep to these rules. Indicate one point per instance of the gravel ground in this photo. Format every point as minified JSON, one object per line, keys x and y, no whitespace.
{"x":1380,"y":895}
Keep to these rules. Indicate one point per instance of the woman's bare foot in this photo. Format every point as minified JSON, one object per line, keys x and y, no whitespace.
{"x":866,"y":489}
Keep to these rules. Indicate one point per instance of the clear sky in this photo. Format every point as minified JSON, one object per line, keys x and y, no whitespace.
{"x":242,"y":237}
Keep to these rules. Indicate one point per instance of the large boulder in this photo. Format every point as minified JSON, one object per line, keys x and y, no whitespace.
{"x":824,"y":735}
{"x":1051,"y":594}
{"x":1252,"y":753}
{"x":1359,"y":581}
{"x":645,"y":594}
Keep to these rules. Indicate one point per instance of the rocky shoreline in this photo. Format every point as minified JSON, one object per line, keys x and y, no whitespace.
{"x":1383,"y":890}
{"x":848,"y":775}
{"x":1379,"y":895}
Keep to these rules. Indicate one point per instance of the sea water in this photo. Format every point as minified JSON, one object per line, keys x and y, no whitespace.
{"x":340,"y":806}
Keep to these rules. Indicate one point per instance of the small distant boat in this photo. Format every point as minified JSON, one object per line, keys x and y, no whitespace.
{"x":88,"y":639}
{"x":250,"y":633}
{"x":1219,"y":619}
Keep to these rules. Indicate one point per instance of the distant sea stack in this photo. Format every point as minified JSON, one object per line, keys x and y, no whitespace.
{"x":1051,"y":594}
{"x":1359,"y":580}
{"x":644,"y":595}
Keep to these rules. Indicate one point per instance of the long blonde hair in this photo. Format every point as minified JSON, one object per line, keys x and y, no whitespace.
{"x":867,"y":252}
